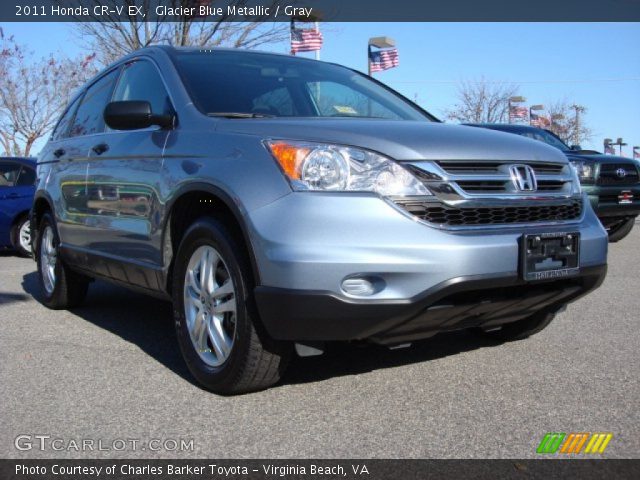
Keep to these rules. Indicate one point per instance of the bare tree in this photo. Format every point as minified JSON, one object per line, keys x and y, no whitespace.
{"x":568,"y":122}
{"x":482,"y":102}
{"x":33,"y":93}
{"x":111,"y":37}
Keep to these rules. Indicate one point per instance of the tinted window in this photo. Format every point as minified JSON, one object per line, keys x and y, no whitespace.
{"x":233,"y":82}
{"x":276,"y":102}
{"x":27,"y":177}
{"x":141,"y":81}
{"x":9,"y":174}
{"x":89,"y":117}
{"x":547,"y":138}
{"x":63,"y":125}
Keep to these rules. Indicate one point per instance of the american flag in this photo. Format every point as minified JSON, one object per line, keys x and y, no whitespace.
{"x":305,"y":40}
{"x":516,"y":112}
{"x":609,"y":149}
{"x":539,"y":121}
{"x":383,"y":59}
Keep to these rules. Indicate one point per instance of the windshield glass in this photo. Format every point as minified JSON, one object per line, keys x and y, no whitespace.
{"x":546,"y":137}
{"x":223,"y":82}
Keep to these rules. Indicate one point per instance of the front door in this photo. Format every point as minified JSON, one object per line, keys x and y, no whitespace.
{"x":125,"y":173}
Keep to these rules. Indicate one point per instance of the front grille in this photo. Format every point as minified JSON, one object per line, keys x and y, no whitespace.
{"x":469,"y":168}
{"x":491,"y":178}
{"x":497,"y":186}
{"x":440,"y":214}
{"x":480,"y":186}
{"x":550,"y":185}
{"x":609,"y":174}
{"x":475,"y":168}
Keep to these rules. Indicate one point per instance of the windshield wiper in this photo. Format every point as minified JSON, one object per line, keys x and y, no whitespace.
{"x":239,"y":115}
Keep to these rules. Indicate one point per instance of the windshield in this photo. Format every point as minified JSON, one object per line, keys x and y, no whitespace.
{"x":546,"y":137}
{"x":227,"y":82}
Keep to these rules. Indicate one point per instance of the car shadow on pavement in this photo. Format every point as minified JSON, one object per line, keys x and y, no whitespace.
{"x":142,"y":320}
{"x":12,"y":297}
{"x":342,"y":359}
{"x":147,"y":323}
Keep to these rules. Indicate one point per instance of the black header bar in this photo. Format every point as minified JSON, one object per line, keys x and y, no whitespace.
{"x":321,"y":10}
{"x":315,"y":469}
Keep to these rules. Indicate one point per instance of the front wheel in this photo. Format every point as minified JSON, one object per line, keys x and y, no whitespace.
{"x":521,"y":329}
{"x":621,"y":229}
{"x":61,"y":287}
{"x":216,"y":322}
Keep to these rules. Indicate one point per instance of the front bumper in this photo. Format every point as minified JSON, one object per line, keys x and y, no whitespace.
{"x":455,"y":304}
{"x":306,"y":244}
{"x":604,"y":200}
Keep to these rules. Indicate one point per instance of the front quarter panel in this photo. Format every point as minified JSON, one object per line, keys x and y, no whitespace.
{"x":238,"y":165}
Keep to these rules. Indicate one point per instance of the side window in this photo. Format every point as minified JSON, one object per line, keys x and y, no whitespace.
{"x":89,"y":117}
{"x":9,"y":174}
{"x":27,"y":177}
{"x":62,"y":128}
{"x":140,"y":80}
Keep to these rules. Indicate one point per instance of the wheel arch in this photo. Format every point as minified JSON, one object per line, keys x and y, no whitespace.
{"x":42,"y":203}
{"x":192,"y":201}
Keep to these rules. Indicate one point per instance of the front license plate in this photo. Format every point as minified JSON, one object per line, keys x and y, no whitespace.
{"x":545,"y":256}
{"x":625,"y":197}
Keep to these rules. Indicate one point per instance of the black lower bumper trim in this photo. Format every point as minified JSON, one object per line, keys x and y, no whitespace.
{"x":455,"y":304}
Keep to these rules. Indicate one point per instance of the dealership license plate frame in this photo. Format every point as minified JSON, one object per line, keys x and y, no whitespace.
{"x":625,"y":197}
{"x":541,"y":252}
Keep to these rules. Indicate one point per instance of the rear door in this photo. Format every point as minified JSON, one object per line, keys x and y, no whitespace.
{"x":25,"y":188}
{"x":69,"y":158}
{"x":10,"y":197}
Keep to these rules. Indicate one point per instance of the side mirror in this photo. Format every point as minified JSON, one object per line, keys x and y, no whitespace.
{"x":576,"y":147}
{"x":134,"y":115}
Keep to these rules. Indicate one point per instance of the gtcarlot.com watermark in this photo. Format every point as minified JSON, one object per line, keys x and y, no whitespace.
{"x":50,"y":443}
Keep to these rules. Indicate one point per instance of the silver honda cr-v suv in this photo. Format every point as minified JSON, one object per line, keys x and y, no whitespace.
{"x":281,"y":202}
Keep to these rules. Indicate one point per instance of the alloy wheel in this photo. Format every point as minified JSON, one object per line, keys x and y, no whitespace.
{"x":48,"y":259}
{"x":210,"y":305}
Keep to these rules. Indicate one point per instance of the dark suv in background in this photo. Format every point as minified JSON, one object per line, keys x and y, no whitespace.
{"x":612,"y":182}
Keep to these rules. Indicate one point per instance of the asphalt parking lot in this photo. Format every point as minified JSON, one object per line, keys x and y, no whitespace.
{"x":111,"y":370}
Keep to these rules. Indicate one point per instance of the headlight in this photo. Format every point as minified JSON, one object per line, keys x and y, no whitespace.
{"x":584,"y":170}
{"x":323,"y":167}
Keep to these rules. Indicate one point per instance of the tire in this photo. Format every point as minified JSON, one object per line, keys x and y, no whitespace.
{"x":218,"y":329}
{"x":621,"y":230}
{"x":61,"y":287}
{"x":21,"y":236}
{"x":521,"y":329}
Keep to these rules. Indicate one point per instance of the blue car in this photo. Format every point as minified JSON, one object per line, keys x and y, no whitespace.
{"x":17,"y":186}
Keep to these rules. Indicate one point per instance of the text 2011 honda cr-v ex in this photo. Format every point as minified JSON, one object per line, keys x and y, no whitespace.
{"x":281,"y":202}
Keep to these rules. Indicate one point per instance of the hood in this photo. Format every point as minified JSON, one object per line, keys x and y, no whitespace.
{"x":598,"y":157}
{"x":400,"y":140}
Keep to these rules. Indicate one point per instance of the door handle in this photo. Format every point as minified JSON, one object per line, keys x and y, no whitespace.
{"x":59,"y":152}
{"x":100,"y":148}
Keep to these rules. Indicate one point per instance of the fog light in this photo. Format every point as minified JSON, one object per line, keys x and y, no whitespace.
{"x":360,"y":287}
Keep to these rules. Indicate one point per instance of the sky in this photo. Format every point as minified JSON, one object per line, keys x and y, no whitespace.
{"x":596,"y":65}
